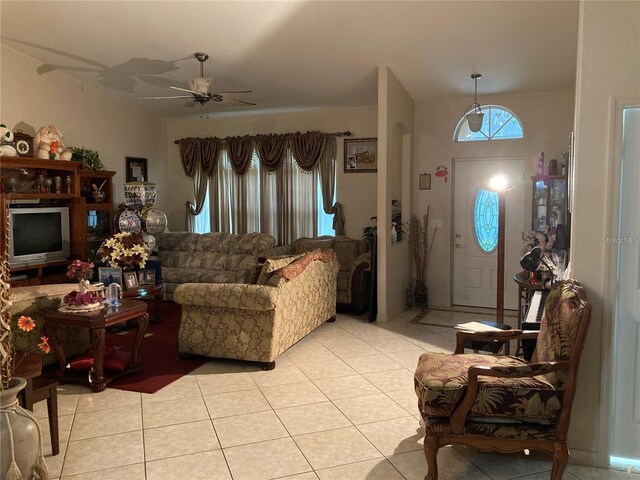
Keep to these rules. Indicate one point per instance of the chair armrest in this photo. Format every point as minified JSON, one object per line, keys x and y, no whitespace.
{"x":505,"y":371}
{"x":489,"y":336}
{"x":518,"y":371}
{"x":227,"y":295}
{"x":362,"y":259}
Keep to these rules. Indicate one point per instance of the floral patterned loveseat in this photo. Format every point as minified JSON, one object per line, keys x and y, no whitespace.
{"x":209,"y":257}
{"x":292,"y":296}
{"x":354,"y":257}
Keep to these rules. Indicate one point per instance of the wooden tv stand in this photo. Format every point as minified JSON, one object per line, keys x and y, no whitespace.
{"x":89,"y":222}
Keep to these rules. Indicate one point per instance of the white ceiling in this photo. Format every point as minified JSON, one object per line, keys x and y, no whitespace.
{"x":299,"y":54}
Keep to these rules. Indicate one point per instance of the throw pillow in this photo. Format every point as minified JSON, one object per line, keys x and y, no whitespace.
{"x":294,"y":269}
{"x":273,"y":264}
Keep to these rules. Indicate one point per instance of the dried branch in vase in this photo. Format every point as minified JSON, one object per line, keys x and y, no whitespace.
{"x":420,"y":243}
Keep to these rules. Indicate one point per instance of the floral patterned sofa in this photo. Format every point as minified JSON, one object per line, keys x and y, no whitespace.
{"x":257,"y":322}
{"x":354,"y":257}
{"x":209,"y":258}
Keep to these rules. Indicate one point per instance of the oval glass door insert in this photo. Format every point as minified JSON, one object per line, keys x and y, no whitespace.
{"x":485,"y":220}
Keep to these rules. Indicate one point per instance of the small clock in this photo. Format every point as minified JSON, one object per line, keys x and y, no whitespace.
{"x":23,"y":143}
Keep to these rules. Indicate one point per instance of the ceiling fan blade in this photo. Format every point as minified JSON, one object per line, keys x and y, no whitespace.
{"x":161,"y":98}
{"x":187,"y":90}
{"x":242,"y":102}
{"x":237,"y":92}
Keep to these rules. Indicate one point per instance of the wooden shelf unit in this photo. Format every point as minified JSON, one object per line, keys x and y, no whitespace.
{"x":80,"y":209}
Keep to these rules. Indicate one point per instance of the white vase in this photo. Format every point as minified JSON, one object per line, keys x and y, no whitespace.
{"x":21,"y":445}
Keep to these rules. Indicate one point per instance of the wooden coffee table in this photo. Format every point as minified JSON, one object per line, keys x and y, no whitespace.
{"x":96,"y":322}
{"x":148,"y":293}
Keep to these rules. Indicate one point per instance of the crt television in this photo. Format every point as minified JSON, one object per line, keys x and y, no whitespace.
{"x":38,"y":235}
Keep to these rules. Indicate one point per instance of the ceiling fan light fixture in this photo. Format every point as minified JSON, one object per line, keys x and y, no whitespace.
{"x":200,"y":85}
{"x":475,"y":115}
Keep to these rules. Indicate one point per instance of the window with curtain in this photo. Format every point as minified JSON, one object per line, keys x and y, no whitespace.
{"x":202,"y":221}
{"x":286,"y":204}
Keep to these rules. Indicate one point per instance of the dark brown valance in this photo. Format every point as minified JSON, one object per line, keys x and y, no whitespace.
{"x":209,"y":148}
{"x":308,"y":148}
{"x":271,"y":150}
{"x":189,"y":155}
{"x":239,"y":153}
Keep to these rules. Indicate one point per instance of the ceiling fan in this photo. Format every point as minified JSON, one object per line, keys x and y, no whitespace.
{"x":199,"y":89}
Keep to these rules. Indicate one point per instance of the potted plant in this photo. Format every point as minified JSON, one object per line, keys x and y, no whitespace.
{"x":88,"y":158}
{"x":420,"y":244}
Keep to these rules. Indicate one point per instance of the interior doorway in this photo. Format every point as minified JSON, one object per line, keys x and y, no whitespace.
{"x":626,"y":424}
{"x":475,"y":231}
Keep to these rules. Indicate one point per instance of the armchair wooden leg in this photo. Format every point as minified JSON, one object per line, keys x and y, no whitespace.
{"x":560,"y":459}
{"x":431,"y":446}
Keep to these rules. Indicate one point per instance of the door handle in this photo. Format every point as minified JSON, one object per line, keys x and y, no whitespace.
{"x":458,"y":245}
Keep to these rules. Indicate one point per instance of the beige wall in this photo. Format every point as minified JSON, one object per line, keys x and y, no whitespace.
{"x":85,"y":116}
{"x":547,"y":119}
{"x":356,"y":191}
{"x":395,"y":144}
{"x":608,"y":68}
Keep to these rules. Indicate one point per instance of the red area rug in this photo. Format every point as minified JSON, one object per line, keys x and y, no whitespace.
{"x":159,"y":354}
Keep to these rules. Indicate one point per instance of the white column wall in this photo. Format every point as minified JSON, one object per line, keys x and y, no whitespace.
{"x":608,"y":68}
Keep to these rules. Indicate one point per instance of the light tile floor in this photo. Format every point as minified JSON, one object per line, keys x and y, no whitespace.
{"x":339,"y":406}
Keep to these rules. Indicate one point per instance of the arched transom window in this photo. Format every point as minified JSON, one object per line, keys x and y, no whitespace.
{"x":499,"y":123}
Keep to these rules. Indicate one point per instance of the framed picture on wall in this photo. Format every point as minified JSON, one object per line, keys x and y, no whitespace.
{"x":361,"y":155}
{"x":425,"y":181}
{"x":137,"y":169}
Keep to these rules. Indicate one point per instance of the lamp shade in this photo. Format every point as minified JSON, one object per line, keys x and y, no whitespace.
{"x":475,"y":121}
{"x":532,"y":260}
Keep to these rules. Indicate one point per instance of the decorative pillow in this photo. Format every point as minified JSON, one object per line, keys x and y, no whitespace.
{"x":294,"y":269}
{"x":115,"y":361}
{"x":273,"y":264}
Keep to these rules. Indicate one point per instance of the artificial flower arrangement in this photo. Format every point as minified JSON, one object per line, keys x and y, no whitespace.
{"x":125,"y":250}
{"x":82,"y":299}
{"x":545,"y":239}
{"x":79,"y":270}
{"x":26,"y":324}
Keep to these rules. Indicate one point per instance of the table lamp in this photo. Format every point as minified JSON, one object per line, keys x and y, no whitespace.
{"x":531,"y":261}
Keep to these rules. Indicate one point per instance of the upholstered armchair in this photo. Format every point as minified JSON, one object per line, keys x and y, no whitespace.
{"x":503,"y":403}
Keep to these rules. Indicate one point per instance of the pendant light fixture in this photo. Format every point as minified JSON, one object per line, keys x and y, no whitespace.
{"x":475,"y":116}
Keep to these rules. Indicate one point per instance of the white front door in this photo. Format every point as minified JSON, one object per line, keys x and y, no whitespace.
{"x":475,"y":268}
{"x":626,"y":437}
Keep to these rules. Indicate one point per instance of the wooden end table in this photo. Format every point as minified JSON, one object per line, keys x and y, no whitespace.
{"x":147,"y":293}
{"x":97,"y":321}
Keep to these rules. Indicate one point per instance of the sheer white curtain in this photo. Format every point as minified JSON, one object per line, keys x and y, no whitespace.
{"x":283,"y":204}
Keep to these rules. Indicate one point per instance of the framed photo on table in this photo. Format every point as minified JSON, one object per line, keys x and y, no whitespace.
{"x":137,"y":169}
{"x":130,"y":280}
{"x":109,"y":275}
{"x":361,"y":155}
{"x":150,"y":276}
